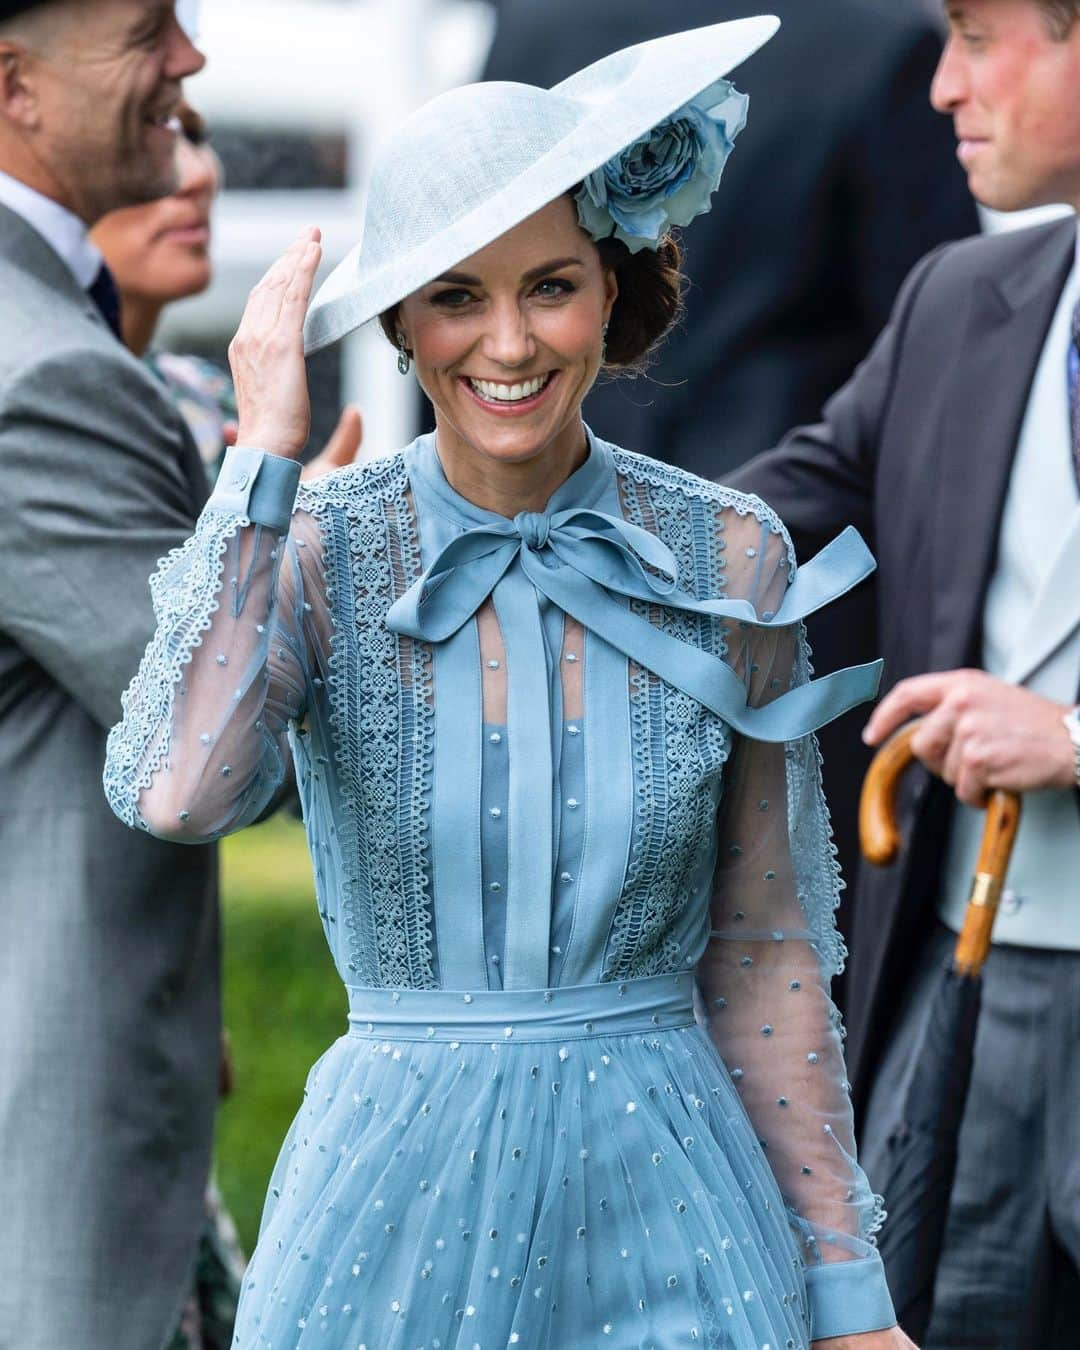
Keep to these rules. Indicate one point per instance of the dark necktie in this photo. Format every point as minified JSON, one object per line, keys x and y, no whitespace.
{"x":107,"y":298}
{"x":1074,"y":391}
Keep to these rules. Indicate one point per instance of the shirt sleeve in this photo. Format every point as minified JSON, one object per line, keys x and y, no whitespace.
{"x":773,"y":950}
{"x":241,"y":640}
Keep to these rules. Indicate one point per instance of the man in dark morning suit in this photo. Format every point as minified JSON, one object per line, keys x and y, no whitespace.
{"x":824,"y":211}
{"x":109,"y":1005}
{"x":956,"y":451}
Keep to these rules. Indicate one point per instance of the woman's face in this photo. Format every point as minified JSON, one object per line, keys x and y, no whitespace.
{"x":160,"y":251}
{"x":508,"y":343}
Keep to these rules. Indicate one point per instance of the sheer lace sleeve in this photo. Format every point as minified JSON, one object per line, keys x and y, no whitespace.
{"x":242,"y":624}
{"x":773,"y":951}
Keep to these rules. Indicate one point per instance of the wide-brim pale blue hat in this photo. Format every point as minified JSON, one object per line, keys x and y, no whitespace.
{"x":478,"y":160}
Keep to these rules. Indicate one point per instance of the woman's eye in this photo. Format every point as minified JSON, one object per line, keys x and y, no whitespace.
{"x":454,"y":299}
{"x":552,"y":288}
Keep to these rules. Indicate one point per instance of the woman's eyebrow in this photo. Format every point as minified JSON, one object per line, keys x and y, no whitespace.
{"x":464,"y":278}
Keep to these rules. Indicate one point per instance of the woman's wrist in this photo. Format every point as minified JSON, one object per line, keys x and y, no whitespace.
{"x":253,"y":438}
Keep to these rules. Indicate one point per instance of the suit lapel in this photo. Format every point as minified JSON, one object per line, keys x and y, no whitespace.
{"x":1006,"y":326}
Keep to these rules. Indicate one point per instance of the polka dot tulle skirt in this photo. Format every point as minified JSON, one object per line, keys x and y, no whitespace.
{"x":558,"y":1180}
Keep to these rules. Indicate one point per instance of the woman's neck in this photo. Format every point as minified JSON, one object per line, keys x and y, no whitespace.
{"x":138,"y":319}
{"x":506,"y":487}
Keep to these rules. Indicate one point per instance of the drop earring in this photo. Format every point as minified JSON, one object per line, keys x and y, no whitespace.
{"x":603,"y":345}
{"x":404,"y":360}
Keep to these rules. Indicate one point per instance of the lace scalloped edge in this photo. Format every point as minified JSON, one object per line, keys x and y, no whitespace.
{"x":655,"y":473}
{"x":130,"y":763}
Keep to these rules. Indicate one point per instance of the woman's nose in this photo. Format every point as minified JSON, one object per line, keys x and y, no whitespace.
{"x":198,"y":165}
{"x":508,"y":340}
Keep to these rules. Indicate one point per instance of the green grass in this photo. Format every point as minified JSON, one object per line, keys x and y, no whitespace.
{"x":284,"y":1004}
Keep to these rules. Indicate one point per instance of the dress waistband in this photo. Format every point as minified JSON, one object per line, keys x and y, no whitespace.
{"x":658,"y":1001}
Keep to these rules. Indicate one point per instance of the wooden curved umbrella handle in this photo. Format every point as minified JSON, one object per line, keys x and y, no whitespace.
{"x":880,"y":842}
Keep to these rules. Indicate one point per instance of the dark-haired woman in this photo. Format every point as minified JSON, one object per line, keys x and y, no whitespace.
{"x":552,"y":719}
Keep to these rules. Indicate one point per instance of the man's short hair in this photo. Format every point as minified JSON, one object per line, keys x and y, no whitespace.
{"x":1060,"y":15}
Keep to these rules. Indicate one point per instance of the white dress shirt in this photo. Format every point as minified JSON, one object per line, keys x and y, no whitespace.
{"x":1041,"y":903}
{"x":61,"y":229}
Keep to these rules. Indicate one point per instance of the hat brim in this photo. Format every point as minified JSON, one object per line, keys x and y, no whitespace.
{"x":659,"y":78}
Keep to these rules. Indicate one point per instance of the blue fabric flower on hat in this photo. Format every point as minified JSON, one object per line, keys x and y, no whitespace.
{"x":668,"y":176}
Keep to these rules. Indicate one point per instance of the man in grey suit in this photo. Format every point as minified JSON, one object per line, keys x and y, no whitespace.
{"x":109,"y":1005}
{"x":956,"y":450}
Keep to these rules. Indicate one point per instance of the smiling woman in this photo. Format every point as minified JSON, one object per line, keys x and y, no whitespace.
{"x":550,"y":707}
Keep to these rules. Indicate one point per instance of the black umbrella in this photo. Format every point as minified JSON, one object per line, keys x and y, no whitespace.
{"x":922,"y":1150}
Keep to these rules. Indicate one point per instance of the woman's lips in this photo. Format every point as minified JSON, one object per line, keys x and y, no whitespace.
{"x":188,"y":234}
{"x":500,"y":409}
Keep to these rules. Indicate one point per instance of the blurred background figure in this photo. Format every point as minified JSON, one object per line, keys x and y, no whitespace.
{"x":845,"y":177}
{"x":158,"y":253}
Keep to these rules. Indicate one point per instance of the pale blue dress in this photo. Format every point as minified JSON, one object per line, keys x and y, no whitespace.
{"x":559,"y":782}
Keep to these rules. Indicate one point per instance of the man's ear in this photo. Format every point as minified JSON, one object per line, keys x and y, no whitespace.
{"x":18,"y":87}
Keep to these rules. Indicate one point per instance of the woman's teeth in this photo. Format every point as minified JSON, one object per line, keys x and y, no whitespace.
{"x":509,"y":393}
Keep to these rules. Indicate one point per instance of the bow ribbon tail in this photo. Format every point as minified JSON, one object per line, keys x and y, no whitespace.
{"x":709,"y":680}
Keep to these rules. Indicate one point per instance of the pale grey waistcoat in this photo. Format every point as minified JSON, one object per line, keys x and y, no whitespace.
{"x":109,"y":1008}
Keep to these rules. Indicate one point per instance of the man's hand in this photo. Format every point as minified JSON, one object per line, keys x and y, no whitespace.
{"x":893,"y":1339}
{"x":342,"y":447}
{"x":980,"y":733}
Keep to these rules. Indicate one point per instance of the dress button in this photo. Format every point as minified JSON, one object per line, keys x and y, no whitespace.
{"x":493,"y":665}
{"x":571,"y":657}
{"x":495,"y":813}
{"x":566,"y":877}
{"x":572,"y":803}
{"x":495,"y":738}
{"x":495,"y":887}
{"x":573,"y":731}
{"x":241,"y":481}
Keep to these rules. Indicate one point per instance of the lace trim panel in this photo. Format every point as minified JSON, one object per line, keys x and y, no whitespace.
{"x":678,"y":746}
{"x":184,"y":591}
{"x":382,"y":718}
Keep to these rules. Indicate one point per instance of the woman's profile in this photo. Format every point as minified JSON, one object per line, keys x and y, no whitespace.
{"x":552,"y":718}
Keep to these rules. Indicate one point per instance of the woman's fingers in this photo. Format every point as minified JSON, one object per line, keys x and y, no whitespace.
{"x":267,"y":354}
{"x":298,"y":287}
{"x":264,"y":304}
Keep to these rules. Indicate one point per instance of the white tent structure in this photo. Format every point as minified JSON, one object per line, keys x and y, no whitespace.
{"x":348,"y":67}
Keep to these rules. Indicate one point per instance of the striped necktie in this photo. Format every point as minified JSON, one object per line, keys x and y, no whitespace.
{"x":107,"y":298}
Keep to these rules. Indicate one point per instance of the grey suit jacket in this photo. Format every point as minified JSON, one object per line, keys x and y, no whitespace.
{"x":916,"y":451}
{"x":109,"y":1005}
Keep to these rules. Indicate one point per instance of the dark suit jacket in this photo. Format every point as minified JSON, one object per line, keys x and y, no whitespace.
{"x":916,"y":451}
{"x":109,"y":1018}
{"x":843,"y":178}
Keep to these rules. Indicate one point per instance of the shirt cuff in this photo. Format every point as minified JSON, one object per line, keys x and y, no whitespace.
{"x":848,"y":1297}
{"x":258,"y":485}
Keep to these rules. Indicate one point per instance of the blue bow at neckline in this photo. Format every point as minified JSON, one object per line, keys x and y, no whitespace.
{"x":583,"y":559}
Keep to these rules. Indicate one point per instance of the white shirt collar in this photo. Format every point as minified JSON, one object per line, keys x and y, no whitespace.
{"x":61,"y":229}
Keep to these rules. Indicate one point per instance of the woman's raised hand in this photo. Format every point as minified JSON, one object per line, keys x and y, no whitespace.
{"x":267,"y":353}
